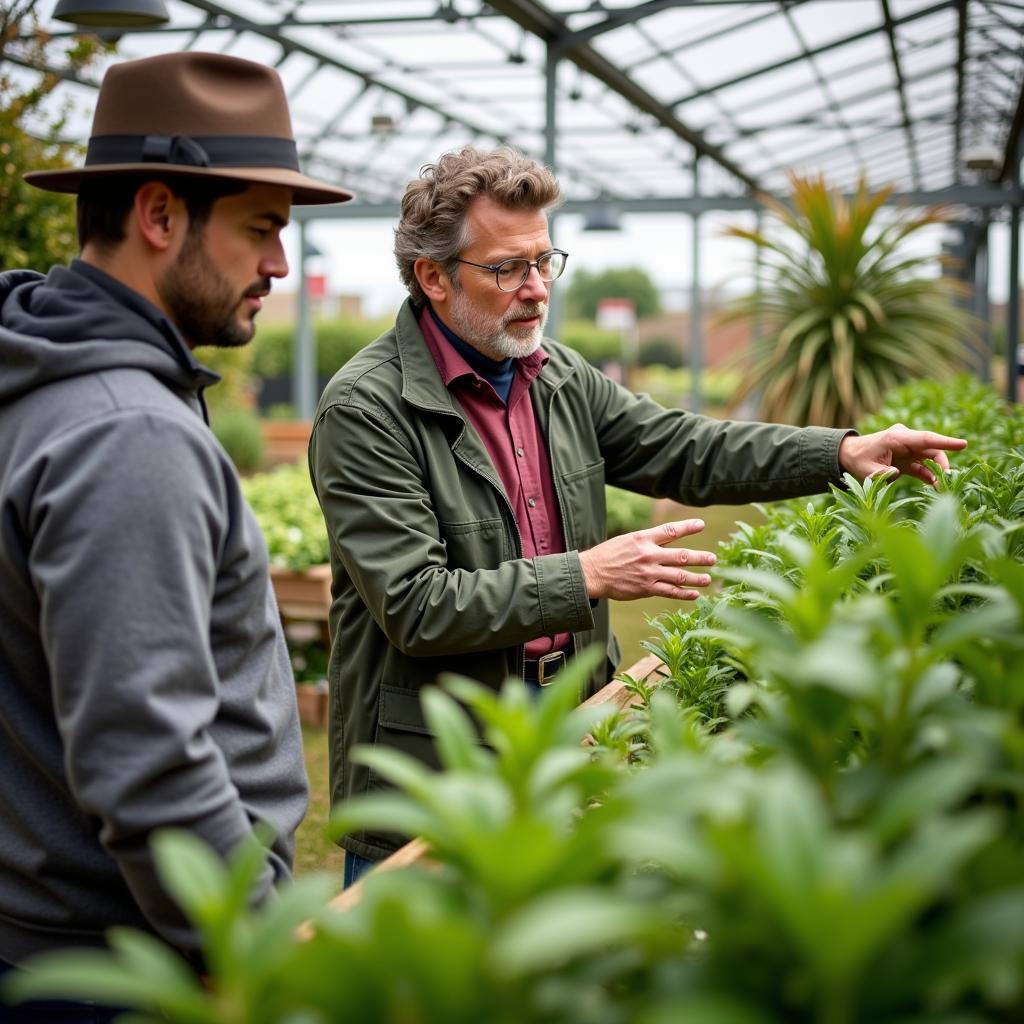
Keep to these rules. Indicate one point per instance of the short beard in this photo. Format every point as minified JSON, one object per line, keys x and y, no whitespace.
{"x":201,"y":302}
{"x":493,"y":338}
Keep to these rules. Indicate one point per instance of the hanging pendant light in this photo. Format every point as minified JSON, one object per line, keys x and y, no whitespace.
{"x":602,"y":215}
{"x":112,"y":13}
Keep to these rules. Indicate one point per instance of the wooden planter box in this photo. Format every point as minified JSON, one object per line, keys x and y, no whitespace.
{"x":312,"y":700}
{"x":285,"y":440}
{"x":303,"y":595}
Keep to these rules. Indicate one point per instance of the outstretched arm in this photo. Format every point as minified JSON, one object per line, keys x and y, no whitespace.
{"x":897,"y":447}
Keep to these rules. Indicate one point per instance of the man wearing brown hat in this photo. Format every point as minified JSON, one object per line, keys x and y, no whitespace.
{"x":144,"y":680}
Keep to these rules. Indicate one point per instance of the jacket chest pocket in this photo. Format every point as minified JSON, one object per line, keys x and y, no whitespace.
{"x":583,"y":491}
{"x":475,"y":544}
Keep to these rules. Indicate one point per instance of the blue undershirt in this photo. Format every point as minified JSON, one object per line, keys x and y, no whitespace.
{"x":498,"y":374}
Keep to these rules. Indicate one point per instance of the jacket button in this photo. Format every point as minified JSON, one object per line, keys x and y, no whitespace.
{"x":520,"y":452}
{"x":532,"y":502}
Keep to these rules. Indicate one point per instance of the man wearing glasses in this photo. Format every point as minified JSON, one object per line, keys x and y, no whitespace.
{"x":461,"y":460}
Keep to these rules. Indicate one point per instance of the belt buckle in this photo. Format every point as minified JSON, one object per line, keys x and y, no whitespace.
{"x":556,"y":659}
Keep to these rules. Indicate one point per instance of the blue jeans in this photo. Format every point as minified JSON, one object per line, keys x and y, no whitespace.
{"x":54,"y":1011}
{"x":356,"y":867}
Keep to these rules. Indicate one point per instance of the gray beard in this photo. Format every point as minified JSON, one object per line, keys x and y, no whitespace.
{"x":492,"y":338}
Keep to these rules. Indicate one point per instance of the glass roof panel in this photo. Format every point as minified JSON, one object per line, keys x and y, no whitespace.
{"x":379,"y":87}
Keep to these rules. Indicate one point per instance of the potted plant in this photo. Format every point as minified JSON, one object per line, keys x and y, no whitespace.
{"x":309,"y":666}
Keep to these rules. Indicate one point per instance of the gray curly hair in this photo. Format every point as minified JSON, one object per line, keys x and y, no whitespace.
{"x":433,"y":219}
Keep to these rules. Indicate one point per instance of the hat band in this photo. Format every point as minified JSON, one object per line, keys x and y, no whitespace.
{"x":193,"y":151}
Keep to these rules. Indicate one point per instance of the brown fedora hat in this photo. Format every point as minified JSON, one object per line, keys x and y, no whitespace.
{"x":190,"y":114}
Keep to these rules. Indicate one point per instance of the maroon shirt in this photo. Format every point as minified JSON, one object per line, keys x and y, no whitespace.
{"x":517,"y":448}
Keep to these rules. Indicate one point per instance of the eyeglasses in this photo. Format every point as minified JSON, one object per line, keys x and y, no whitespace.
{"x":511,"y":274}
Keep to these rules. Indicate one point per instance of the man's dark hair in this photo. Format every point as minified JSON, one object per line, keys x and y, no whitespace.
{"x":104,"y":204}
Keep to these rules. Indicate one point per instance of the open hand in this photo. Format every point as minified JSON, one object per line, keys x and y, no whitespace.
{"x":641,"y":564}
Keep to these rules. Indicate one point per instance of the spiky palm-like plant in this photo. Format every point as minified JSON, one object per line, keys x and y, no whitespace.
{"x":844,"y":313}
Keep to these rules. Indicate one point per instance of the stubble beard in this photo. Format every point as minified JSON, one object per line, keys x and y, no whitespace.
{"x":494,"y":338}
{"x":202,"y":303}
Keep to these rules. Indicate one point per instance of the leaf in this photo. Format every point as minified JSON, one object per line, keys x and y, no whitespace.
{"x":566,"y":925}
{"x":454,"y":734}
{"x":149,"y":958}
{"x":98,"y":976}
{"x":194,"y":875}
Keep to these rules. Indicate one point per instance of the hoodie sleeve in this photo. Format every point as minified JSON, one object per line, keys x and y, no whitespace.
{"x":129,"y":522}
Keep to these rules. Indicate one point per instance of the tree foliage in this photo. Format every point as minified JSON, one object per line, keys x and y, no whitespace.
{"x":844,"y":312}
{"x":586,"y":289}
{"x":38,"y":228}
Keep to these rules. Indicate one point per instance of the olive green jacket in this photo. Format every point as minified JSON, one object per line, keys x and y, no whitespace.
{"x":426,"y":556}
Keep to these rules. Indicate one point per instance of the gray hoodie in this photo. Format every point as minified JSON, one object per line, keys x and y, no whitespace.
{"x":144,"y":680}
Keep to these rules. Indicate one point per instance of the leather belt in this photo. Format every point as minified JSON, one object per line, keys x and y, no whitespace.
{"x":543,"y":670}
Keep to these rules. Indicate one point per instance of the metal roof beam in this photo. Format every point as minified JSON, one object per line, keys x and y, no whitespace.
{"x":836,"y":44}
{"x":961,"y":64}
{"x":684,"y":73}
{"x":851,"y":139}
{"x":626,"y":16}
{"x":901,"y":86}
{"x":876,"y":123}
{"x":982,"y":196}
{"x":769,"y":99}
{"x":889,"y":151}
{"x":537,"y":19}
{"x":853,"y":101}
{"x":707,"y":37}
{"x":1011,"y":147}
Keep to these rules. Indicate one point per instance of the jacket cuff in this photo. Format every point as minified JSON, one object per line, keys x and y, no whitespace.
{"x":820,"y":454}
{"x":562,"y":591}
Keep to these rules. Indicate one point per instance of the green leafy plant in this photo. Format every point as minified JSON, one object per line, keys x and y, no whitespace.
{"x":250,"y":953}
{"x":661,"y":351}
{"x":241,"y":434}
{"x":817,"y":818}
{"x":597,"y":345}
{"x":289,"y":515}
{"x":38,"y":226}
{"x":626,"y":511}
{"x":236,"y":388}
{"x":845,"y":312}
{"x":337,"y":341}
{"x":587,"y":288}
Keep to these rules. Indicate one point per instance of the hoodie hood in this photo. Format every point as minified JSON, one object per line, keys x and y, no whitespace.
{"x":79,"y":320}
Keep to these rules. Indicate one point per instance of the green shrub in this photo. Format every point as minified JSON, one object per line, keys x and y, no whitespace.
{"x":336,"y":342}
{"x":597,"y":346}
{"x":289,"y":515}
{"x":587,"y":288}
{"x":818,"y":818}
{"x":235,"y":388}
{"x":38,"y":227}
{"x":626,"y":511}
{"x":661,"y":352}
{"x":241,"y":435}
{"x":673,"y":388}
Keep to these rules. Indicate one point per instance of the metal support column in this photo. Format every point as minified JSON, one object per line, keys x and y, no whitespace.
{"x":304,"y":353}
{"x":1013,"y":294}
{"x":554,"y":324}
{"x":696,"y":337}
{"x":982,"y":306}
{"x":1013,"y":307}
